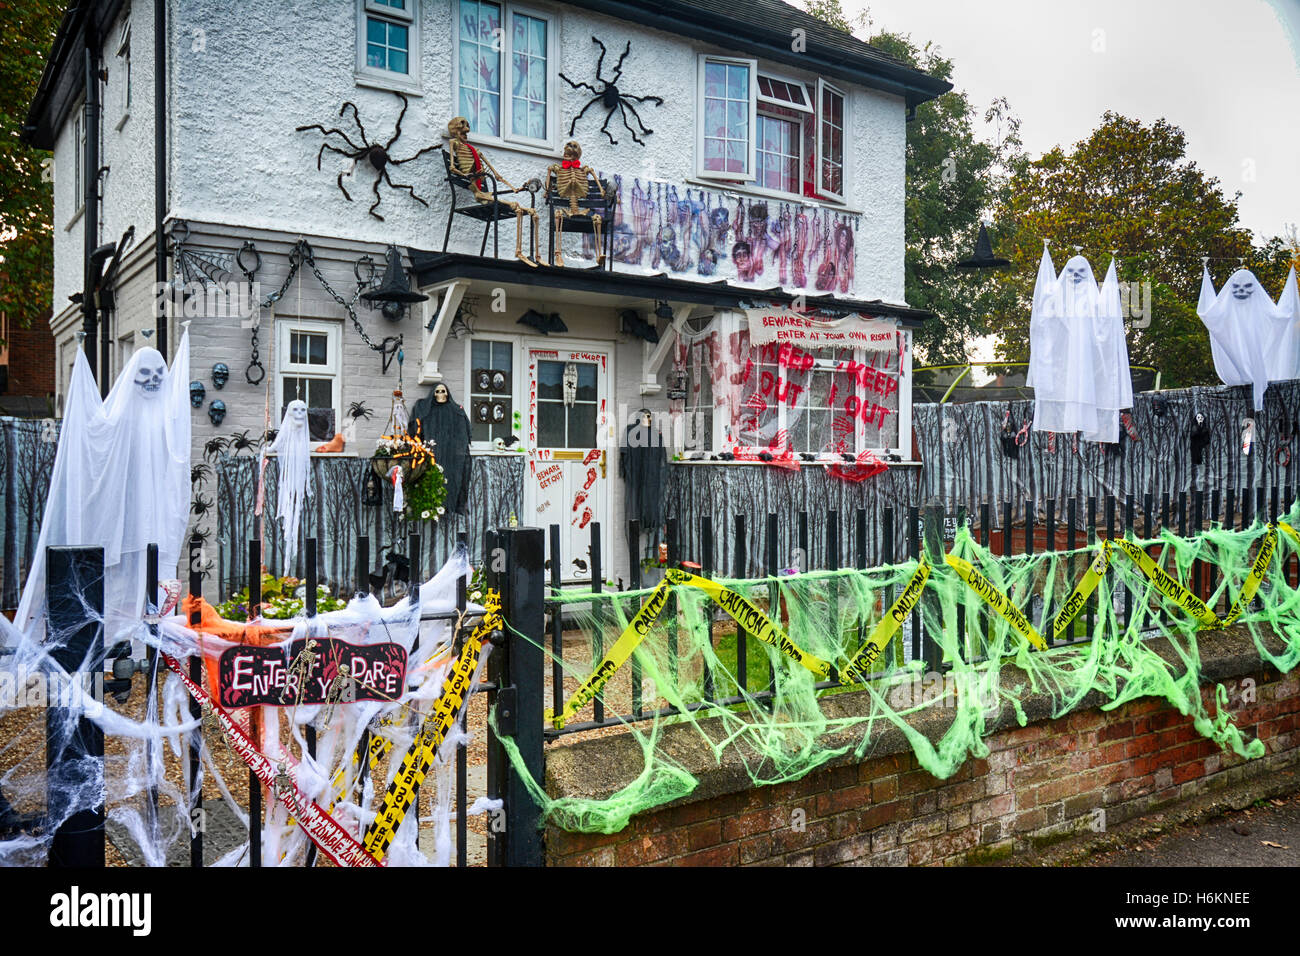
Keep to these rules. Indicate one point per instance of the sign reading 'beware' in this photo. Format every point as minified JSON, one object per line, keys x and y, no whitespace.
{"x":251,"y":676}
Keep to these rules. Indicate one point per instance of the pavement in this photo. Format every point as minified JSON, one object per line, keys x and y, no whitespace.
{"x":1267,"y":833}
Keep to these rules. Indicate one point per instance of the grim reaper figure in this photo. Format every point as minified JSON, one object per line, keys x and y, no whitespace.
{"x":121,"y":482}
{"x":1246,"y":329}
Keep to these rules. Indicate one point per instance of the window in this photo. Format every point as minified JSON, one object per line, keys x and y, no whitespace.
{"x":566,"y":421}
{"x":309,"y":365}
{"x":779,"y":153}
{"x":388,"y":49}
{"x":490,"y":388}
{"x":830,"y":140}
{"x":503,"y":71}
{"x":727,"y":110}
{"x":124,"y":54}
{"x":79,"y":159}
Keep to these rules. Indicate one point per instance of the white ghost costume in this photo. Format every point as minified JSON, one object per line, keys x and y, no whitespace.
{"x":1113,"y":380}
{"x":121,"y":481}
{"x":1246,"y":327}
{"x":292,"y":448}
{"x":1284,"y":358}
{"x":1047,"y":344}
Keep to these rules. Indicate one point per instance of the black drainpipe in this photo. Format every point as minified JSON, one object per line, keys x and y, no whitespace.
{"x":90,"y":183}
{"x":160,"y":160}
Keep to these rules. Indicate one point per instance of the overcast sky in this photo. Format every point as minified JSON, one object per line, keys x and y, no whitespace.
{"x":1227,"y":73}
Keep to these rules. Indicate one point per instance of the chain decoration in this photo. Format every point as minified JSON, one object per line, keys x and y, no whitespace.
{"x":250,"y":273}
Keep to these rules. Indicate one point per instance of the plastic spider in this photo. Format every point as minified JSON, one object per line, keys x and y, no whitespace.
{"x":374,"y":153}
{"x":270,"y":435}
{"x":611,"y":98}
{"x":200,"y":506}
{"x":240,"y":441}
{"x":199,"y":474}
{"x":214,"y":447}
{"x":359,"y":410}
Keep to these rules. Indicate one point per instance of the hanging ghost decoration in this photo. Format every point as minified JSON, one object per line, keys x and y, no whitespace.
{"x":1112,"y":378}
{"x":292,"y":447}
{"x":1284,"y":357}
{"x":1246,"y":327}
{"x":121,"y":481}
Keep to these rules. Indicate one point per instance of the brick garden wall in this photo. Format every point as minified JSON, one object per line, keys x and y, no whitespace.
{"x":1040,"y":784}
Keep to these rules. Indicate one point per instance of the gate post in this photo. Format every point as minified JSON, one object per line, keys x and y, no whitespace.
{"x":74,"y":600}
{"x":519,"y":701}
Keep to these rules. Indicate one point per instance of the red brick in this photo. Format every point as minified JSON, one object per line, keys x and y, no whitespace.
{"x":725,"y":855}
{"x":756,"y":848}
{"x":993,"y":807}
{"x":1116,"y":731}
{"x":704,"y":835}
{"x":647,"y":849}
{"x":759,"y":821}
{"x":1188,"y":771}
{"x":884,"y":790}
{"x":878,"y":815}
{"x":914,"y":782}
{"x":850,"y":798}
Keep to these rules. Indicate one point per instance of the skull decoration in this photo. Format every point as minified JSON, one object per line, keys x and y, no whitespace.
{"x":197,"y":391}
{"x":441,"y":394}
{"x":149,"y":376}
{"x":1242,"y":289}
{"x":1076,"y":274}
{"x":220,"y":375}
{"x":297,"y":410}
{"x":217,"y":412}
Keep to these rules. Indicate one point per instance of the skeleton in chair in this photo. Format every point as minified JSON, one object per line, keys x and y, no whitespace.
{"x":569,"y":181}
{"x":468,"y":161}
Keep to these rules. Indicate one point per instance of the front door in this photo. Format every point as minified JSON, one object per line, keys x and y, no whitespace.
{"x":568,"y":475}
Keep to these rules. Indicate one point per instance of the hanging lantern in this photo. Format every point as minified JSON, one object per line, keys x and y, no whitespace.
{"x":983,"y":257}
{"x":394,"y":290}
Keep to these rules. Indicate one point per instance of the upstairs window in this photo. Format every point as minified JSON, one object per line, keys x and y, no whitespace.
{"x":124,"y":56}
{"x":727,"y":118}
{"x":504,"y":63}
{"x":830,"y":140}
{"x":388,"y":45}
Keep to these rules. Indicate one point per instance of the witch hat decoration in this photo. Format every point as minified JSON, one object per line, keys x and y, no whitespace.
{"x":984,"y":257}
{"x":394,"y":290}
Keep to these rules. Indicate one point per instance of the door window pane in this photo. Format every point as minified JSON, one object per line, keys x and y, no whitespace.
{"x":481,"y":44}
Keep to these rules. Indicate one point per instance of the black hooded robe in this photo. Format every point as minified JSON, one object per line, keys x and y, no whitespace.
{"x":447,"y":426}
{"x":643,"y":465}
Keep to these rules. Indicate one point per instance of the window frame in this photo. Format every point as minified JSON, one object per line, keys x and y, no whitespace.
{"x":124,"y":54}
{"x":333,"y":329}
{"x":409,"y":17}
{"x":467,"y":386}
{"x":506,"y":53}
{"x":748,"y":175}
{"x":79,"y":159}
{"x":800,"y":158}
{"x":822,"y":88}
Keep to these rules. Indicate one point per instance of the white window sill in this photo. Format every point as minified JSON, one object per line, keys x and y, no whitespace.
{"x":81,"y":211}
{"x":494,"y":142}
{"x":747,"y":189}
{"x":395,"y":82}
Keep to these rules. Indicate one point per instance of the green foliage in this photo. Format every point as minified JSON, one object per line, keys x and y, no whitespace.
{"x":424,"y":498}
{"x":26,"y":186}
{"x":280,"y":600}
{"x":1130,"y":188}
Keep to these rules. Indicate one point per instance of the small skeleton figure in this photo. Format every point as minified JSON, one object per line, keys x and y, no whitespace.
{"x":212,"y":726}
{"x":469,"y":161}
{"x":342,"y":690}
{"x":301,"y":669}
{"x":569,"y":180}
{"x":283,"y":783}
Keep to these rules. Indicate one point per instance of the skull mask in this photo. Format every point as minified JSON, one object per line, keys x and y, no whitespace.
{"x":197,"y":391}
{"x":297,"y":411}
{"x":1076,"y":274}
{"x":440,"y":394}
{"x":1242,"y":289}
{"x":220,"y":374}
{"x":217,"y":412}
{"x":150,"y":374}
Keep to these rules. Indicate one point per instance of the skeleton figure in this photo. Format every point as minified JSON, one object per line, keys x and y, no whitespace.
{"x":468,"y":161}
{"x":301,"y":669}
{"x":569,"y":180}
{"x":283,"y":783}
{"x":342,"y":690}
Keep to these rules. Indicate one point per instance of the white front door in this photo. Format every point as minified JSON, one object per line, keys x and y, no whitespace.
{"x":568,"y":471}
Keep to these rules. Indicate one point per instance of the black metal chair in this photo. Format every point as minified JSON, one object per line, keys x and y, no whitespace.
{"x":490,"y":214}
{"x":593,"y":202}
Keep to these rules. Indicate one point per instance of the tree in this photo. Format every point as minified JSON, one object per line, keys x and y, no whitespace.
{"x":27,"y":32}
{"x":953,"y":180}
{"x":1130,"y":188}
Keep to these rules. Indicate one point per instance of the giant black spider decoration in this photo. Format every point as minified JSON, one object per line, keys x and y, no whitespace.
{"x":374,"y":153}
{"x":242,"y":441}
{"x":214,"y":447}
{"x":610,"y":97}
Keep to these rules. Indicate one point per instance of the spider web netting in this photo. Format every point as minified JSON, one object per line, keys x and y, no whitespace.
{"x":42,"y":679}
{"x":687,"y":658}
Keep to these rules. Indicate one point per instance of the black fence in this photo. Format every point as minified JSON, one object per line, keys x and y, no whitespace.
{"x":846,"y":542}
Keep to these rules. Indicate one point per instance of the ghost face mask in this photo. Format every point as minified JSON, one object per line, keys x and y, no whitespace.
{"x":1241,"y":288}
{"x":150,"y":373}
{"x":296,"y":413}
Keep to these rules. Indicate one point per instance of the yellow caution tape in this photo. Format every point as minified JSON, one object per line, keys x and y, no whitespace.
{"x":415,"y":764}
{"x":1167,"y":585}
{"x":995,"y":599}
{"x":888,"y":625}
{"x":1079,"y":597}
{"x":1257,"y":570}
{"x":753,"y":621}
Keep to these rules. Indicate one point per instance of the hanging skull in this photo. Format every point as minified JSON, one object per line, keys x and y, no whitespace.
{"x":570,"y":383}
{"x":217,"y":412}
{"x":149,"y":376}
{"x":197,"y":391}
{"x":297,"y":412}
{"x":220,"y":374}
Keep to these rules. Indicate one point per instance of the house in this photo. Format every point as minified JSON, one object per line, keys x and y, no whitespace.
{"x":752,"y":299}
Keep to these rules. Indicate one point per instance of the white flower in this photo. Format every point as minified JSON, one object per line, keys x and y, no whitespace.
{"x":440,"y":467}
{"x":442,"y":511}
{"x":425,"y":514}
